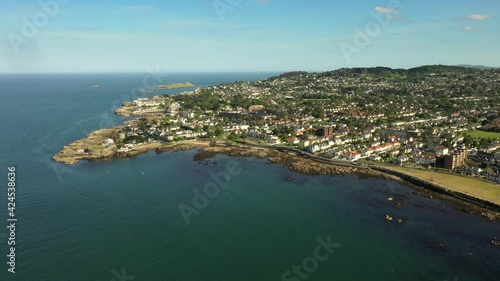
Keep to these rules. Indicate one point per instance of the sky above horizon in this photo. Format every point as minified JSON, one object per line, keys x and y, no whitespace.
{"x":244,"y":35}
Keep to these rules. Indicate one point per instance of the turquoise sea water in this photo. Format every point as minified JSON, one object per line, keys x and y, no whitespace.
{"x":120,"y":219}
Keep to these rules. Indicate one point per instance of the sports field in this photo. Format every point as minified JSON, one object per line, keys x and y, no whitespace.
{"x":484,"y":190}
{"x":483,"y":134}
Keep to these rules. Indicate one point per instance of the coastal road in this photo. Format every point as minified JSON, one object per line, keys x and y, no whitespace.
{"x":339,"y":162}
{"x":306,"y":155}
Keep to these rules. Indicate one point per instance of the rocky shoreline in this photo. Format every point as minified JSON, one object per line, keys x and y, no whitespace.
{"x":291,"y":161}
{"x":127,"y":110}
{"x":181,"y":146}
{"x":91,"y":147}
{"x":305,"y":166}
{"x":78,"y":150}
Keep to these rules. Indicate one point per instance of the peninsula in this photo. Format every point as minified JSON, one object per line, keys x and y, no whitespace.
{"x":175,"y":86}
{"x":431,"y":125}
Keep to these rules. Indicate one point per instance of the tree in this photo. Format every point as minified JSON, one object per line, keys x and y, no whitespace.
{"x":218,"y":131}
{"x":468,"y":140}
{"x":448,"y":139}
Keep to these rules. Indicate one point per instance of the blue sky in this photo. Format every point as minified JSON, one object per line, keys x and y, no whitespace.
{"x":245,"y":35}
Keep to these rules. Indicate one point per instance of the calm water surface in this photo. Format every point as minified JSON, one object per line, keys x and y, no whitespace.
{"x":96,"y":221}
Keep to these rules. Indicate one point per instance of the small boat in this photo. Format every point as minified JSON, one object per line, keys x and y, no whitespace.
{"x":96,"y":86}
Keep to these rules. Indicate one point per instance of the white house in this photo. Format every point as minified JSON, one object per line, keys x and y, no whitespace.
{"x":313,"y":148}
{"x":441,"y":150}
{"x":402,"y":159}
{"x":108,"y":142}
{"x":303,"y":144}
{"x":352,"y":155}
{"x":273,"y":139}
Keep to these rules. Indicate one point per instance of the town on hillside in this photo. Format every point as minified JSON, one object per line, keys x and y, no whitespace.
{"x":433,"y":117}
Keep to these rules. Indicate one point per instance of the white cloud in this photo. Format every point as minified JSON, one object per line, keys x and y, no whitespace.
{"x":385,"y":10}
{"x":477,"y":17}
{"x":473,"y":28}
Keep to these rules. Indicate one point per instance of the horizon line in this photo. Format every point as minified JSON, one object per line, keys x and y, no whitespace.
{"x":248,"y":71}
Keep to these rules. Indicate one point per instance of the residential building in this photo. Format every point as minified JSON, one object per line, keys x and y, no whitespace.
{"x":352,"y":155}
{"x":441,"y":150}
{"x":455,"y":159}
{"x":325,"y":132}
{"x":256,"y":108}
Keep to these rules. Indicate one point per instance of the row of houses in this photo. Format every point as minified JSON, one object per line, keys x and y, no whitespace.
{"x":389,"y":147}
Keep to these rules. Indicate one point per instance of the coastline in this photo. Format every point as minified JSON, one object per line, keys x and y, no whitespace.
{"x":293,"y":162}
{"x":175,"y":86}
{"x":73,"y":153}
{"x":299,"y":164}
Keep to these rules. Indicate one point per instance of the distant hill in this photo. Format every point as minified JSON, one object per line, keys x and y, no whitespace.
{"x":292,"y":74}
{"x":429,"y":69}
{"x":378,"y":70}
{"x":480,"y":67}
{"x":374,"y":71}
{"x":388,"y":72}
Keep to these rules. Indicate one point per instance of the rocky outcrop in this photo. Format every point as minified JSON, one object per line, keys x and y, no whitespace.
{"x":91,"y":148}
{"x":495,"y":243}
{"x":88,"y":148}
{"x":180,"y":146}
{"x":293,"y":162}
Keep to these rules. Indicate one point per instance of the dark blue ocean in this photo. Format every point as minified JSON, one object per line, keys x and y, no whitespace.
{"x":120,"y":219}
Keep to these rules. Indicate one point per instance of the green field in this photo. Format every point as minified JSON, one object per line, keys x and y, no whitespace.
{"x":483,"y":134}
{"x":485,"y":190}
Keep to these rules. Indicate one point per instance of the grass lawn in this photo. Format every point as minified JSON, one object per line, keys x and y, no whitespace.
{"x":475,"y":187}
{"x":482,"y":134}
